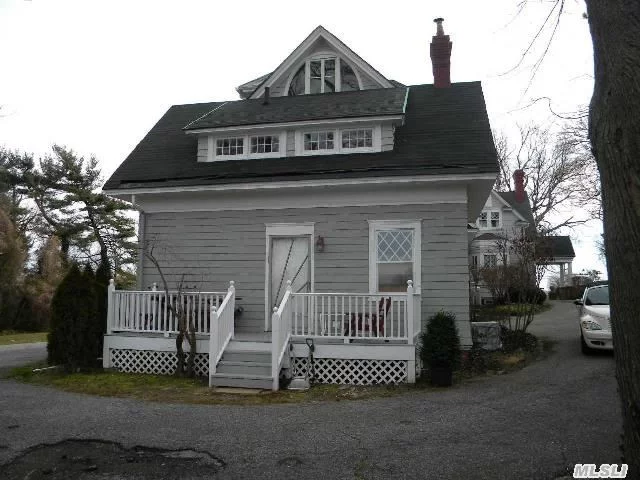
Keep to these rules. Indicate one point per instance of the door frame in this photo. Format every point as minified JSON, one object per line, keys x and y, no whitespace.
{"x":305,"y":229}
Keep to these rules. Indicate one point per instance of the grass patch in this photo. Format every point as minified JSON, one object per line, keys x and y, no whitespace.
{"x":170,"y":389}
{"x":9,"y":337}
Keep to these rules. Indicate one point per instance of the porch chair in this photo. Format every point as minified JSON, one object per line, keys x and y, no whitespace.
{"x":368,"y":323}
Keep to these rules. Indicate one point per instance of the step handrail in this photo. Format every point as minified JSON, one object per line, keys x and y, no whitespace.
{"x":222,"y":328}
{"x":280,"y":335}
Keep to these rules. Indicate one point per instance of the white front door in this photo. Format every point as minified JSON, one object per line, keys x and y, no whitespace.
{"x":289,"y":259}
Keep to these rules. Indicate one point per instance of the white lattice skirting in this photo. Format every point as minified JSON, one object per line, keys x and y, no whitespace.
{"x":353,"y":371}
{"x":154,"y":362}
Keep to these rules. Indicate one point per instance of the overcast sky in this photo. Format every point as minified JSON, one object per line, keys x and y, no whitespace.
{"x":96,"y":75}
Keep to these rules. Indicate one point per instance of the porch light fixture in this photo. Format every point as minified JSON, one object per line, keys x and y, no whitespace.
{"x":320,"y":244}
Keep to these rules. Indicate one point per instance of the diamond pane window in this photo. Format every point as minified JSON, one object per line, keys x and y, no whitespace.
{"x":395,"y":245}
{"x":482,"y":220}
{"x":495,"y":219}
{"x":490,"y":261}
{"x":395,"y":259}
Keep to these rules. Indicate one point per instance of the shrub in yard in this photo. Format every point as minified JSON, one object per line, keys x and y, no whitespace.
{"x":440,"y":343}
{"x":513,"y":340}
{"x":75,"y":339}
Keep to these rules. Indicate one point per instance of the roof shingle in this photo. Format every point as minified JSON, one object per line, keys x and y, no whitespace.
{"x":376,"y":102}
{"x":446,"y":131}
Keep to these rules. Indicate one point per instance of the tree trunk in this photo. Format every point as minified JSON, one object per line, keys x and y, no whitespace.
{"x":614,"y":130}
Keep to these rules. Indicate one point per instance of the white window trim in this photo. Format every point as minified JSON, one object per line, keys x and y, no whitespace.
{"x":489,"y":212}
{"x":374,"y":227}
{"x":307,"y":72}
{"x":376,"y":144}
{"x":286,"y":230}
{"x":212,"y":156}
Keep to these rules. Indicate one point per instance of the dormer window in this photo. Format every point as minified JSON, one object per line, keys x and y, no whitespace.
{"x":229,"y":146}
{"x":318,"y":141}
{"x":323,"y":74}
{"x":489,"y":219}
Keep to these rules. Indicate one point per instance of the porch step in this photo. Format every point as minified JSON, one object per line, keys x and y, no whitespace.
{"x":252,"y":356}
{"x":244,"y":368}
{"x":244,"y":363}
{"x":248,"y":346}
{"x":239,"y":380}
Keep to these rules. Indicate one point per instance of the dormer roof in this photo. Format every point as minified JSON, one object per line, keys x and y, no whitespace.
{"x":362,"y":103}
{"x":319,"y":33}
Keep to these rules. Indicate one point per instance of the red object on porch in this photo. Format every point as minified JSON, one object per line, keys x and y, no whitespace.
{"x":373,"y":323}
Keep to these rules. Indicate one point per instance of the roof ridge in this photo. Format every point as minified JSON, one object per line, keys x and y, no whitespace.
{"x":202,"y":116}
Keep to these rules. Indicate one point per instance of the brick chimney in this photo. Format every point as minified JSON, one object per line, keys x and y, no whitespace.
{"x":441,"y":56}
{"x":518,"y":180}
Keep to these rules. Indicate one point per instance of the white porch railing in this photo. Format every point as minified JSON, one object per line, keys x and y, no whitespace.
{"x":349,"y":316}
{"x":280,"y":334}
{"x":222,"y":328}
{"x":148,"y":311}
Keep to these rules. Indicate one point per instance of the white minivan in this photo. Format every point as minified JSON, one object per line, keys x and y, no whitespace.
{"x":595,"y":319}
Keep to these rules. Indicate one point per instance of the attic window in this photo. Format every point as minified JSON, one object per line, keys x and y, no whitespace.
{"x":323,"y":75}
{"x":489,"y":219}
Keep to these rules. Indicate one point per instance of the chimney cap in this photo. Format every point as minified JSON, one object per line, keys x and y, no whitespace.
{"x":438,"y":20}
{"x":439,"y":30}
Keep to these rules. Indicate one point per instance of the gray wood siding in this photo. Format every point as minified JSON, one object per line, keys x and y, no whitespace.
{"x":387,"y":136}
{"x":291,"y":143}
{"x":203,"y":147}
{"x":212,"y":248}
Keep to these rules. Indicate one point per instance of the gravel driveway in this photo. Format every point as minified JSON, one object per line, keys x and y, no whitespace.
{"x":530,"y":424}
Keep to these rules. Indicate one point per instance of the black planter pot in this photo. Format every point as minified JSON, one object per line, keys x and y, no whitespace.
{"x":441,"y":375}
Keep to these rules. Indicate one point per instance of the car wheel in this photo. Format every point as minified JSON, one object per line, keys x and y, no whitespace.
{"x":586,"y":350}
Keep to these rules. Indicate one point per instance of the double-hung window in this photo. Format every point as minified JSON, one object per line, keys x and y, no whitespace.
{"x":489,"y":219}
{"x":394,"y":255}
{"x":358,"y":138}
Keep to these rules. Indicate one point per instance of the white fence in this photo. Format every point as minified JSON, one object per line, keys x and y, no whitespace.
{"x":280,"y":334}
{"x":148,"y":310}
{"x":222,"y":328}
{"x":386,"y":316}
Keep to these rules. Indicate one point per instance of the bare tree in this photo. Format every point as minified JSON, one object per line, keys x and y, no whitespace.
{"x":178,"y":306}
{"x":557,"y":175}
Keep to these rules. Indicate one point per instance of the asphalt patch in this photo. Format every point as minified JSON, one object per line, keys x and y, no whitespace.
{"x":97,"y":459}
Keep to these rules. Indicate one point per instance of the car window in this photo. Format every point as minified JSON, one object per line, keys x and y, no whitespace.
{"x":598,"y":296}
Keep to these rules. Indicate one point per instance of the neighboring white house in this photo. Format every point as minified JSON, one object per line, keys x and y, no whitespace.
{"x":505,"y":216}
{"x":335,"y":199}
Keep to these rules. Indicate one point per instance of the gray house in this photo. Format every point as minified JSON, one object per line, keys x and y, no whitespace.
{"x":328,"y":204}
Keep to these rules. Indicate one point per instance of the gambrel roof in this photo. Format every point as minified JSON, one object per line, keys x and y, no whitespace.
{"x":445,"y":131}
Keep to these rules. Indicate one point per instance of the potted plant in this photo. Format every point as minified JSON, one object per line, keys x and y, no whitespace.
{"x":440,"y":348}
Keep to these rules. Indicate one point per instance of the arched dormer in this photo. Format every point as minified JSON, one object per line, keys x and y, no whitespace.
{"x":323,"y":72}
{"x":320,"y":64}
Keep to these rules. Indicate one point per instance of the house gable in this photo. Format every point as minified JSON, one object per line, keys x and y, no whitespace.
{"x":319,"y":44}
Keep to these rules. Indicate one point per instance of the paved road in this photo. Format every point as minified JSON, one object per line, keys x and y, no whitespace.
{"x":15,"y":355}
{"x":528,"y":425}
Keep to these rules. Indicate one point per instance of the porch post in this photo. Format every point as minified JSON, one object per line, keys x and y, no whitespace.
{"x":214,"y":333}
{"x":570,"y":273}
{"x":110,"y":312}
{"x":562,"y":284}
{"x":411,"y":364}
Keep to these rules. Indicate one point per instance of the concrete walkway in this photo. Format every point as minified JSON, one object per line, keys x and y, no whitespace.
{"x":532,"y":424}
